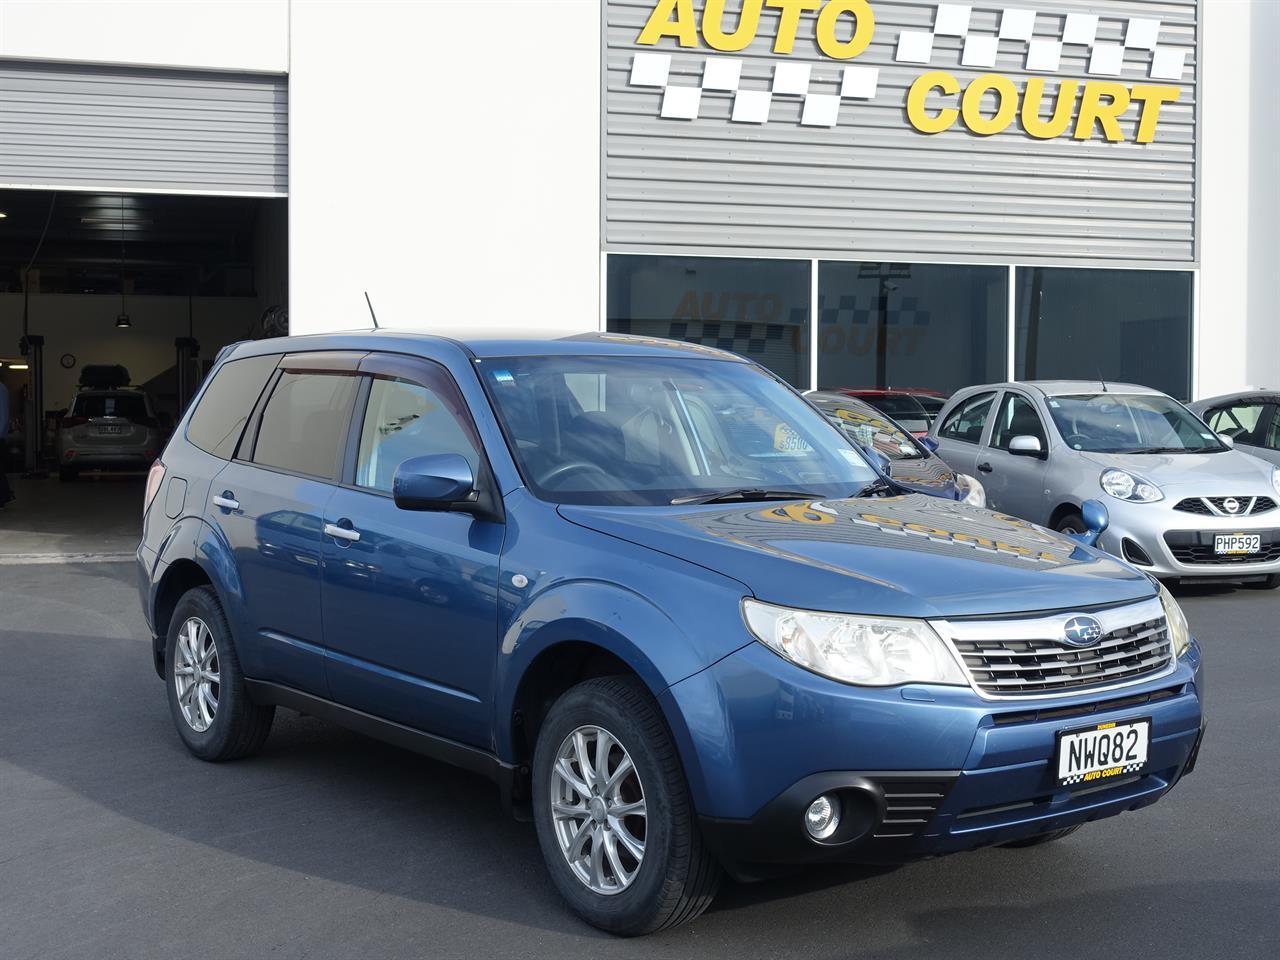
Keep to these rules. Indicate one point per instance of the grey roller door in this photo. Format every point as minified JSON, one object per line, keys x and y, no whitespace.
{"x":134,"y":128}
{"x":872,"y":187}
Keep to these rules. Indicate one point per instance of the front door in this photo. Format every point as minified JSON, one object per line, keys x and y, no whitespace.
{"x":410,"y":597}
{"x":960,"y":434}
{"x":1015,"y":484}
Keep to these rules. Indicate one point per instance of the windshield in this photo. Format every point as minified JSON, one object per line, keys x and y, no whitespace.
{"x":903,"y":408}
{"x":870,"y":430}
{"x":1119,"y":423}
{"x":645,"y":431}
{"x":130,"y":406}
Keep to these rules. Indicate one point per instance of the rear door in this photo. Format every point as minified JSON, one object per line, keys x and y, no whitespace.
{"x":410,"y":597}
{"x":962,"y":431}
{"x":268,"y":504}
{"x":1015,"y":484}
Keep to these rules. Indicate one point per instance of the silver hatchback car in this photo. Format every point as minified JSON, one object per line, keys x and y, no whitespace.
{"x":107,"y":429}
{"x":1182,"y":502}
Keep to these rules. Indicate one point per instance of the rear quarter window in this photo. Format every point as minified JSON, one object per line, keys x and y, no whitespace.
{"x":225,"y":406}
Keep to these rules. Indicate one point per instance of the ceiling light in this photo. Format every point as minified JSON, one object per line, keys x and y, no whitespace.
{"x":3,"y":214}
{"x":17,"y":366}
{"x":123,"y":322}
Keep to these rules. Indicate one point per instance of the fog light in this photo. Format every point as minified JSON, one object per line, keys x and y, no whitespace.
{"x":822,"y":817}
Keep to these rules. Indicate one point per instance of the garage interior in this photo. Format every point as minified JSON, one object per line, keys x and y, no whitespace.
{"x":154,"y":283}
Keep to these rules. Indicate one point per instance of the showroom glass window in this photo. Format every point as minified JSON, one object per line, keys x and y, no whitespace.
{"x":1132,"y":326}
{"x":932,"y":326}
{"x":758,"y":308}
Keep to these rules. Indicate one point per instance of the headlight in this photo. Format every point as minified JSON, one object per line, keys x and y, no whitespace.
{"x":971,"y":491}
{"x":1179,"y":629}
{"x":870,"y":651}
{"x":1275,"y":478}
{"x":1128,"y":486}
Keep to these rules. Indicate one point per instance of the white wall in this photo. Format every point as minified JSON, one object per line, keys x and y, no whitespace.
{"x":84,"y":325}
{"x":217,"y":34}
{"x":1240,"y":197}
{"x":444,"y":157}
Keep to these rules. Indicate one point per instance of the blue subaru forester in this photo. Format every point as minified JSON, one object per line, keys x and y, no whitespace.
{"x":657,"y":597}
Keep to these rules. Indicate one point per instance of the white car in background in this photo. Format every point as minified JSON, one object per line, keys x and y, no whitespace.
{"x":1250,"y":418}
{"x":114,"y":429}
{"x":1182,"y":502}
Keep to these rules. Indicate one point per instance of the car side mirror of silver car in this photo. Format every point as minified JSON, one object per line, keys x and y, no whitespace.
{"x":1026,"y":446}
{"x":1229,"y":440}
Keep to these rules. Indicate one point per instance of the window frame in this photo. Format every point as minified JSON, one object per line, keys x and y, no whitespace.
{"x":995,"y":395}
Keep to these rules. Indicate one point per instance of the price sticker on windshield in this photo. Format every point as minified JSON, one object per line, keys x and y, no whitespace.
{"x":786,"y":440}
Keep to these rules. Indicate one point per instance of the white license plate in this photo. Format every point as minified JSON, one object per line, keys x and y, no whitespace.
{"x":1102,"y":752}
{"x":110,"y":431}
{"x":1229,"y":543}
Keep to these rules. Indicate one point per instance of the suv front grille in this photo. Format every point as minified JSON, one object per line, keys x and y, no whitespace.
{"x":1006,"y":667}
{"x":1216,"y":506}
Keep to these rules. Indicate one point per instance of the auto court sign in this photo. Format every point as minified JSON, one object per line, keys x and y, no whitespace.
{"x":1079,"y":108}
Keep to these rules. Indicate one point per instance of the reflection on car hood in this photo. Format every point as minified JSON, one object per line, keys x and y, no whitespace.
{"x":914,"y":556}
{"x":1212,"y":471}
{"x":924,"y":474}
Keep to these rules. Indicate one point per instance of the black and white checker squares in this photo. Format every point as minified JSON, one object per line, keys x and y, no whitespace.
{"x":1079,"y":777}
{"x":722,"y":75}
{"x":1044,"y":54}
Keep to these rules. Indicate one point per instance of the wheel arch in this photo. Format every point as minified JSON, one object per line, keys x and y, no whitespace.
{"x":1061,"y":512}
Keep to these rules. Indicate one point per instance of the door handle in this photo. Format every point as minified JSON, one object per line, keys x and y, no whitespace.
{"x":226,"y":500}
{"x":341,"y":533}
{"x":984,"y":467}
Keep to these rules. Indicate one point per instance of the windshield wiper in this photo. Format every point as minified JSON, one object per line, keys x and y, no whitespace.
{"x":746,"y":494}
{"x":1158,"y":450}
{"x":878,"y":485}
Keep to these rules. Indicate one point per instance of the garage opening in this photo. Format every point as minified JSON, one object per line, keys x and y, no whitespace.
{"x":113,"y":307}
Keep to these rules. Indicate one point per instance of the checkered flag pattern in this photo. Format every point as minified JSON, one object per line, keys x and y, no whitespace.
{"x":1043,"y":55}
{"x":1079,"y":777}
{"x":722,"y":75}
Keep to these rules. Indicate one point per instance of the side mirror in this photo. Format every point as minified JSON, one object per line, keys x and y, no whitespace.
{"x":442,"y":481}
{"x":928,"y":443}
{"x":1096,"y":519}
{"x":1026,"y":446}
{"x":1229,"y":440}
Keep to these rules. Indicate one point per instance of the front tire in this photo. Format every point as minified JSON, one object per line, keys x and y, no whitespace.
{"x":207,"y":695}
{"x":612,"y":810}
{"x":1269,"y":582}
{"x":1072,"y":523}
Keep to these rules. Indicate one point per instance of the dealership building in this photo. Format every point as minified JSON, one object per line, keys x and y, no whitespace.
{"x":851,"y":192}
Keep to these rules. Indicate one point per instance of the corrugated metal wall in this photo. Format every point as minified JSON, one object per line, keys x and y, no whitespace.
{"x":69,"y":125}
{"x":872,"y":187}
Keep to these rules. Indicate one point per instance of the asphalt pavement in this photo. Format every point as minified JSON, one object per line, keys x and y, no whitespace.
{"x":114,"y":842}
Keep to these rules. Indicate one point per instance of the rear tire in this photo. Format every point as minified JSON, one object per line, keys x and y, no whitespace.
{"x":1042,"y":838}
{"x":1269,"y":582}
{"x":68,"y":474}
{"x":207,"y":695}
{"x":676,"y":876}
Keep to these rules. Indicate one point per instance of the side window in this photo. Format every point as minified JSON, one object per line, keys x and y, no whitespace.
{"x":406,"y":420}
{"x":219,"y":418}
{"x":966,"y":421}
{"x":1240,"y":422}
{"x":1018,"y":418}
{"x":304,"y":425}
{"x":1272,"y":439}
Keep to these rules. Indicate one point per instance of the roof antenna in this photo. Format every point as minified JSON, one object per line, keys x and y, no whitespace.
{"x":1099,"y":368}
{"x":372,"y":315}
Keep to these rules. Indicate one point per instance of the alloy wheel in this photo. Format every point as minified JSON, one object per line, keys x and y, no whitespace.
{"x":598,"y":810}
{"x":196,"y":674}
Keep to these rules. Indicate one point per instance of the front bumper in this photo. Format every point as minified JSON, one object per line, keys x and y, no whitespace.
{"x":1180,"y":544}
{"x":921,"y":771}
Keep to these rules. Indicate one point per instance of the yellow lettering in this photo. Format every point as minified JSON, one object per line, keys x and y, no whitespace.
{"x":1061,"y":119}
{"x":713,"y":25}
{"x":684,"y":28}
{"x":927,"y":530}
{"x":924,"y":85}
{"x":1152,"y":98}
{"x":864,"y":26}
{"x":789,"y":21}
{"x":1092,"y":110}
{"x":1006,"y":104}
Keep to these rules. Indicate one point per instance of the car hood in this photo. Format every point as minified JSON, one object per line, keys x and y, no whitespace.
{"x":1215,"y":471}
{"x":925,"y":475}
{"x":910,"y":556}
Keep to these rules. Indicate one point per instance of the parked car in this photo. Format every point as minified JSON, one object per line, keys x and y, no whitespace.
{"x":905,"y":408}
{"x":658,"y":598}
{"x":1250,"y":418}
{"x":114,"y":429}
{"x":909,"y":462}
{"x":1182,"y":503}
